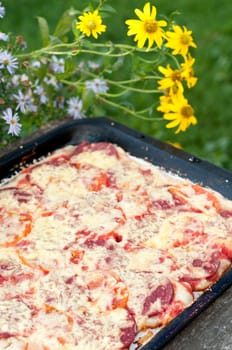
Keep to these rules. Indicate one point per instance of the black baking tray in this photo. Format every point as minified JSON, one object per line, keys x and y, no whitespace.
{"x":159,"y":153}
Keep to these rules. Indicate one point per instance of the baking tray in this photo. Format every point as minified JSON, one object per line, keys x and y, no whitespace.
{"x":159,"y":153}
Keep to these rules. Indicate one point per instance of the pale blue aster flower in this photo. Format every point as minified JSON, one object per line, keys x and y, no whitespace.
{"x":4,"y":36}
{"x":52,"y":81}
{"x":57,"y":65}
{"x":75,"y":108}
{"x":12,"y":119}
{"x":93,"y":65}
{"x":97,"y":85}
{"x":8,"y":61}
{"x":2,"y":10}
{"x":18,"y":79}
{"x":23,"y":101}
{"x":39,"y":90}
{"x":36,"y":64}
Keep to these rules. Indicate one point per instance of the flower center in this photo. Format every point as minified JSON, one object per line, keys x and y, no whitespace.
{"x":176,"y":75}
{"x":13,"y":122}
{"x":186,"y":111}
{"x":6,"y":62}
{"x":91,"y":25}
{"x":150,"y":26}
{"x":184,"y":39}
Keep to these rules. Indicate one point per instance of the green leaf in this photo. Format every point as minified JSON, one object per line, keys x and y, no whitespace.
{"x":109,"y":9}
{"x":65,"y":23}
{"x":44,"y":30}
{"x":88,"y":98}
{"x":75,"y":31}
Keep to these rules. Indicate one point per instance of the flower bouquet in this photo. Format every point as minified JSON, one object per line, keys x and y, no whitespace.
{"x":79,"y":72}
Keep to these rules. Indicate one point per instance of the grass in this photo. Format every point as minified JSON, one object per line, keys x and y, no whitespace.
{"x":210,"y":21}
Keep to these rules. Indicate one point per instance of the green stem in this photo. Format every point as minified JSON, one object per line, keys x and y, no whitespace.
{"x":130,"y":88}
{"x":75,"y":48}
{"x":136,"y":80}
{"x":136,"y":114}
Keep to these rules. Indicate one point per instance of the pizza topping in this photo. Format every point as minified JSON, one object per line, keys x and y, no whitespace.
{"x":128,"y":333}
{"x":226,"y":213}
{"x":6,"y":335}
{"x":15,"y":323}
{"x":107,"y":148}
{"x":163,"y":293}
{"x":96,"y":246}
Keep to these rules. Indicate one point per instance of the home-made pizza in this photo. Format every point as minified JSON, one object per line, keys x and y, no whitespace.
{"x":97,"y":246}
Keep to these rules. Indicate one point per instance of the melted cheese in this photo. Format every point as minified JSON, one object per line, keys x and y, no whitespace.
{"x":98,"y":245}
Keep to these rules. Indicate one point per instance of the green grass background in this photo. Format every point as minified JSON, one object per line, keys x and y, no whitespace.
{"x":211,"y":23}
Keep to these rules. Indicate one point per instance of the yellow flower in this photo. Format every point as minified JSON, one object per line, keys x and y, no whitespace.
{"x":180,"y":40}
{"x":179,"y":112}
{"x":165,"y":101}
{"x":187,"y":71}
{"x":172,"y":78}
{"x":146,"y":27}
{"x":91,"y":24}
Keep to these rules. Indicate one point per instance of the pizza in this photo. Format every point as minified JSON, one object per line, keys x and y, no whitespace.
{"x":98,"y":247}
